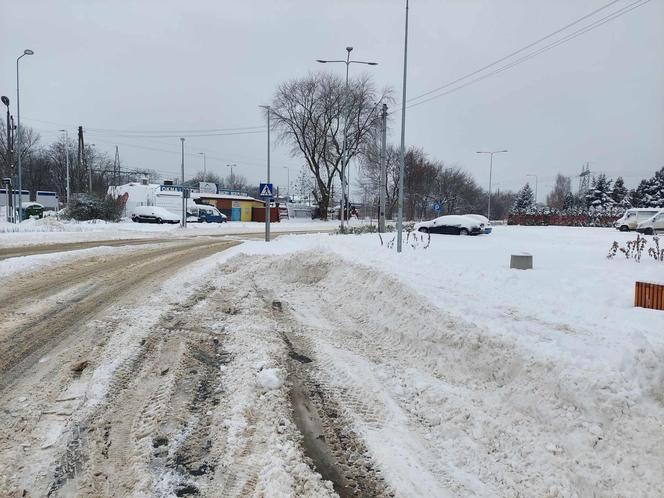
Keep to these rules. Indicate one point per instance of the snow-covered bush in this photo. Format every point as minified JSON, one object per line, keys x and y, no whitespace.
{"x":86,"y":207}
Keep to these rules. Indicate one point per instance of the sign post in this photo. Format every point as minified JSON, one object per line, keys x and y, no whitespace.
{"x":265,"y":191}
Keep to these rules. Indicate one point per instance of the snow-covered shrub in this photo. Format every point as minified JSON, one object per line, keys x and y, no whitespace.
{"x":86,"y":207}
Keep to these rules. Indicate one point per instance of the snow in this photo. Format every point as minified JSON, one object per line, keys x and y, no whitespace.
{"x":51,"y":230}
{"x":546,"y":382}
{"x":465,"y":378}
{"x":270,"y":378}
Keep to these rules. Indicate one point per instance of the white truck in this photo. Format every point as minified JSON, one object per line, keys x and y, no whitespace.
{"x":632,"y":217}
{"x":652,"y":225}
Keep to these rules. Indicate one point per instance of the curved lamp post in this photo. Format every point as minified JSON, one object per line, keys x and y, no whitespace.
{"x":344,"y":158}
{"x":27,"y":51}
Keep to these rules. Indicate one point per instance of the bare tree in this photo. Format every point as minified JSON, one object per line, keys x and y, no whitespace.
{"x":556,"y":198}
{"x":310,"y":114}
{"x":235,"y":182}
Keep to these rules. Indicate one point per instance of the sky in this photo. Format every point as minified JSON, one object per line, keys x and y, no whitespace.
{"x":124,"y":68}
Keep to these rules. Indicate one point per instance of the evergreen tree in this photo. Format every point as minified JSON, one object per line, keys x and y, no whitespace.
{"x":599,"y":195}
{"x":525,"y":200}
{"x":619,"y":191}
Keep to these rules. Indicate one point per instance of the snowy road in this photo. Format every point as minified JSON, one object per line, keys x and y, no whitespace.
{"x":193,"y":368}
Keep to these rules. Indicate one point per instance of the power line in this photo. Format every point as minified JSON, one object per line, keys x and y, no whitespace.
{"x":160,"y":133}
{"x":446,"y":85}
{"x":595,"y":24}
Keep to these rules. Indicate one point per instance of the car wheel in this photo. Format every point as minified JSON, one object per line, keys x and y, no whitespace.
{"x":624,"y":228}
{"x":463,"y":231}
{"x":159,"y":220}
{"x":423,"y":230}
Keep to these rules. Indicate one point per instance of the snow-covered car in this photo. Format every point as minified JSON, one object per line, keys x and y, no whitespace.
{"x":652,"y":225}
{"x":210,"y":214}
{"x":450,"y":225}
{"x":485,"y":224}
{"x":153,"y":214}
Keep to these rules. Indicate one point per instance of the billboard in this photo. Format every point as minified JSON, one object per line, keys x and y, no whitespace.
{"x":207,"y":188}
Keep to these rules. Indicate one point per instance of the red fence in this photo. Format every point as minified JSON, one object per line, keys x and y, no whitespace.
{"x":580,"y":220}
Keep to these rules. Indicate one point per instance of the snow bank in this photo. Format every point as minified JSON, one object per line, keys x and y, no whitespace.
{"x":545,"y":382}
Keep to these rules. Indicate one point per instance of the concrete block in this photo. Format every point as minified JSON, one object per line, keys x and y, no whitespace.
{"x":522,"y":261}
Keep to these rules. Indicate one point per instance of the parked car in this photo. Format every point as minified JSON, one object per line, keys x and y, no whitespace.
{"x":485,"y":224}
{"x":210,"y":214}
{"x":632,"y":217}
{"x":652,"y":225}
{"x":153,"y":214}
{"x":32,"y":210}
{"x":451,"y":225}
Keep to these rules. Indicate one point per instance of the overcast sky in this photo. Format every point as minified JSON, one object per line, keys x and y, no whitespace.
{"x":197,"y":65}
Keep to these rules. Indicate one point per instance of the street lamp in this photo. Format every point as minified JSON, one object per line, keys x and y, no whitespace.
{"x":231,"y":166}
{"x":288,"y":170}
{"x":491,"y":153}
{"x":344,"y":157}
{"x":204,"y":166}
{"x":67,"y":160}
{"x":535,"y":187}
{"x":27,"y":51}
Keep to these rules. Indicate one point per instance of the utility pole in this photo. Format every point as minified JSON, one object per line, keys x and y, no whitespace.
{"x":184,"y":200}
{"x":79,"y":160}
{"x":382,"y":182}
{"x":402,"y":158}
{"x":7,"y":182}
{"x":116,"y":167}
{"x":68,"y":191}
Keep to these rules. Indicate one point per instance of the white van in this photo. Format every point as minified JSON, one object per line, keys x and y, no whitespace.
{"x":652,"y":225}
{"x":632,"y":217}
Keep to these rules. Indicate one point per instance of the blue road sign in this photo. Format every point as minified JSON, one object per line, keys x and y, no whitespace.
{"x":265,"y":189}
{"x":437,"y":207}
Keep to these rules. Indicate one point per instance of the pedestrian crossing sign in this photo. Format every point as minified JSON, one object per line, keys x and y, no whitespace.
{"x":265,"y":189}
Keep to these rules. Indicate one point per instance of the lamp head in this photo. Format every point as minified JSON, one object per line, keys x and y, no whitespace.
{"x":321,"y":61}
{"x":5,"y":101}
{"x":349,"y":49}
{"x":27,"y":51}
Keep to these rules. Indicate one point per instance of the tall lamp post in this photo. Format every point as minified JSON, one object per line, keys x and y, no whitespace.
{"x":288,"y":170}
{"x":67,"y":160}
{"x":491,"y":153}
{"x":183,"y":224}
{"x":402,"y":150}
{"x":268,"y":201}
{"x":344,"y":156}
{"x":204,"y":166}
{"x":535,"y":187}
{"x":231,"y":166}
{"x":27,"y":51}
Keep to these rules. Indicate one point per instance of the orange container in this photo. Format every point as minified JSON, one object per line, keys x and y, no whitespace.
{"x":648,"y":295}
